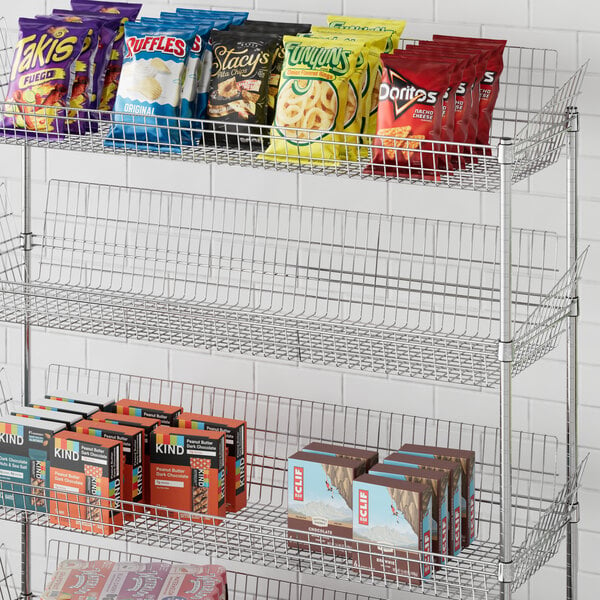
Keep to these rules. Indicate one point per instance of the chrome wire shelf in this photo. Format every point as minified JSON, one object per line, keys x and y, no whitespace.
{"x":397,"y":295}
{"x":278,"y":427}
{"x":530,"y":109}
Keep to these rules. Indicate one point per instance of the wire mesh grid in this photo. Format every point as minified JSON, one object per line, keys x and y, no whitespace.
{"x":374,"y":292}
{"x":529,"y":94}
{"x":8,"y":590}
{"x":279,"y":426}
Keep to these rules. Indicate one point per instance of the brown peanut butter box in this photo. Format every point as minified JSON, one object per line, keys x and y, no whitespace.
{"x":370,"y":457}
{"x":466,"y":459}
{"x":166,"y":413}
{"x":392,"y":528}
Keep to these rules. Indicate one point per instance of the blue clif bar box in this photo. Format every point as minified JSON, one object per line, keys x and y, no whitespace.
{"x":25,"y":451}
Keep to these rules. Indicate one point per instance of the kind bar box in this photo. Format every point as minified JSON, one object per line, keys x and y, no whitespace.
{"x":82,"y":464}
{"x":136,"y":581}
{"x":466,"y":459}
{"x":83,"y":410}
{"x":391,"y":512}
{"x":195,"y":582}
{"x":438,"y":480}
{"x":166,"y":414}
{"x":370,"y":457}
{"x":320,"y":497}
{"x":100,"y":402}
{"x":25,"y":450}
{"x":454,"y":472}
{"x":148,"y":425}
{"x":133,"y":457}
{"x":54,"y":416}
{"x":235,"y":461}
{"x":78,"y":580}
{"x":187,"y":472}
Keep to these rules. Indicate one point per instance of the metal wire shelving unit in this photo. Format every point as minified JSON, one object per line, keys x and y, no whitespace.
{"x":439,"y":300}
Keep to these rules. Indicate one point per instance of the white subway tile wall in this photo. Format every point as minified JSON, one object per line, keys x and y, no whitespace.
{"x":539,"y":403}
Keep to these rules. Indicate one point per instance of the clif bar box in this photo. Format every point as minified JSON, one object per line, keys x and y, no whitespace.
{"x":438,"y":480}
{"x":454,"y":472}
{"x":392,"y":513}
{"x":78,"y":580}
{"x":235,"y":443}
{"x":148,"y":425}
{"x":54,"y":416}
{"x":370,"y":457}
{"x":82,"y":464}
{"x":100,"y":402}
{"x":132,"y":439}
{"x":25,"y":451}
{"x":195,"y":582}
{"x":83,"y":410}
{"x":187,"y":472}
{"x":166,"y":414}
{"x":466,"y":459}
{"x":320,"y":497}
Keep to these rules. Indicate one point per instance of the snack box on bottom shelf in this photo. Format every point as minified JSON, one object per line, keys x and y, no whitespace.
{"x":438,"y":480}
{"x":151,"y":410}
{"x":136,"y":581}
{"x":466,"y":459}
{"x":100,"y":402}
{"x":195,"y":582}
{"x":25,"y":452}
{"x":145,"y":423}
{"x":235,"y":442}
{"x":83,"y":410}
{"x":187,"y":472}
{"x":391,"y":512}
{"x":82,"y":464}
{"x":320,"y":499}
{"x":133,"y":457}
{"x":54,"y":416}
{"x":370,"y":457}
{"x":454,"y":473}
{"x":78,"y":580}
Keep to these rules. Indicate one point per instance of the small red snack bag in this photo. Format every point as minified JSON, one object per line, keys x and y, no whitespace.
{"x":490,"y":84}
{"x":409,"y":116}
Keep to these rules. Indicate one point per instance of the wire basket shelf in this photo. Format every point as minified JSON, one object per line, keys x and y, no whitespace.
{"x":530,"y":109}
{"x":277,"y":427}
{"x":396,"y":295}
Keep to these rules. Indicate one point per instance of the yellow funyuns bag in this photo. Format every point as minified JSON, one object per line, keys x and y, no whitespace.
{"x":370,"y":24}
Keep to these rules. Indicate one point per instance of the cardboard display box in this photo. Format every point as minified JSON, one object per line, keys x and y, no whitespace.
{"x":54,"y":416}
{"x":370,"y":457}
{"x":85,"y":411}
{"x":100,"y":402}
{"x":166,"y":414}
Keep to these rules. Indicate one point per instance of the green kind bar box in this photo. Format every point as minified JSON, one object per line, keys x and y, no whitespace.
{"x":438,"y":480}
{"x":320,"y":499}
{"x":466,"y":459}
{"x":392,"y":528}
{"x":25,"y":451}
{"x":133,"y":457}
{"x":166,"y":414}
{"x":54,"y":416}
{"x":235,"y":443}
{"x":370,"y":457}
{"x":454,"y":473}
{"x":100,"y":402}
{"x":85,"y":411}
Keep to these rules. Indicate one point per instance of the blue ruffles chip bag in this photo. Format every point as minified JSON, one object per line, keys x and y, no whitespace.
{"x":148,"y":101}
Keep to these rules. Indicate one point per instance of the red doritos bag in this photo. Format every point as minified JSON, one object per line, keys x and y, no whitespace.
{"x":409,"y":116}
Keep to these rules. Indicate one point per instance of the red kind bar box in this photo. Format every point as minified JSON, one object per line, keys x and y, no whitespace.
{"x":133,"y":457}
{"x":148,"y":425}
{"x":466,"y":459}
{"x":187,"y":472}
{"x":235,"y":463}
{"x":392,"y":513}
{"x":454,"y":473}
{"x":166,"y":414}
{"x":370,"y":457}
{"x":85,"y":411}
{"x":53,"y":416}
{"x":100,"y":402}
{"x":82,"y":464}
{"x":78,"y":580}
{"x":320,"y":499}
{"x":438,"y":480}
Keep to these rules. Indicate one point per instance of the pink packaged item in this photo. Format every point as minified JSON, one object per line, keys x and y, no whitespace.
{"x":78,"y":580}
{"x":195,"y":582}
{"x":136,"y":581}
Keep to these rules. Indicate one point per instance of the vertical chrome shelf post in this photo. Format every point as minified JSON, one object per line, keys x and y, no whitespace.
{"x":505,"y":356}
{"x":572,"y":124}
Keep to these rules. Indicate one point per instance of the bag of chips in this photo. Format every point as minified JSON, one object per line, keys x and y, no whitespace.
{"x":149,"y":94}
{"x":234,"y":17}
{"x":393,"y":28}
{"x":128,"y":12}
{"x":312,"y":98}
{"x":409,"y":117}
{"x":42,"y":74}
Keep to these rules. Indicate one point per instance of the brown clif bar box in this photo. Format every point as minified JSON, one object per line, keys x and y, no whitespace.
{"x":370,"y":457}
{"x":466,"y":459}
